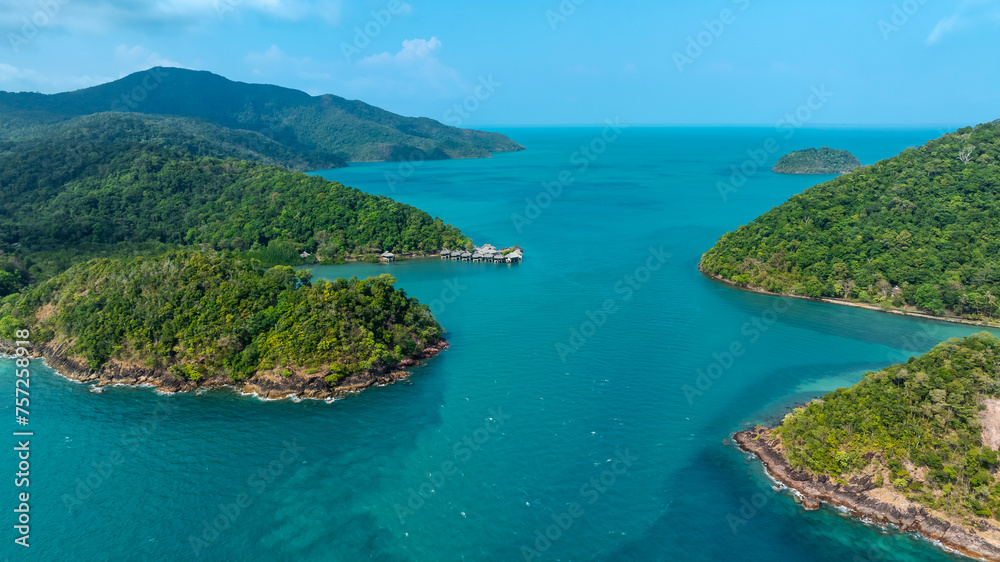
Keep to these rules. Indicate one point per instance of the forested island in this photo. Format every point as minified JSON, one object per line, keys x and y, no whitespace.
{"x":913,"y":445}
{"x":824,"y":160}
{"x":153,"y":245}
{"x":916,"y":233}
{"x":189,"y":319}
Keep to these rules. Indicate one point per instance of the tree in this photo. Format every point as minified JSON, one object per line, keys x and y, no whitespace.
{"x":965,"y":155}
{"x":929,"y":297}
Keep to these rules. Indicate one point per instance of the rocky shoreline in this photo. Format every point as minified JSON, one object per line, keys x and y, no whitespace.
{"x":842,"y":302}
{"x":266,"y":386}
{"x":861,"y":497}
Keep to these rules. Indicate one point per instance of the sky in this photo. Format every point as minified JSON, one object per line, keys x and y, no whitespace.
{"x":544,"y":62}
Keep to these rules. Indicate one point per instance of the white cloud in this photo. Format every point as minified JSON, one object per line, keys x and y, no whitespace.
{"x":329,"y":10}
{"x":414,"y":50}
{"x":133,"y":59}
{"x":99,"y":16}
{"x":970,"y":13}
{"x":275,"y":61}
{"x":14,"y":79}
{"x":414,"y":69}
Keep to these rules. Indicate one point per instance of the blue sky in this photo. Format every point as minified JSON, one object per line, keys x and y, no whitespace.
{"x":544,"y":62}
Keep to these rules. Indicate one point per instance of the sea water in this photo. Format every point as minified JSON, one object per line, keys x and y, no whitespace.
{"x":569,"y":420}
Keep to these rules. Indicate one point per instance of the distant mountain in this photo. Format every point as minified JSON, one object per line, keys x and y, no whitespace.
{"x":824,"y":160}
{"x":193,"y":136}
{"x":309,"y":125}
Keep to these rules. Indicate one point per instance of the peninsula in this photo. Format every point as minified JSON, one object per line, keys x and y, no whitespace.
{"x":917,"y":233}
{"x":913,"y":445}
{"x":824,"y":160}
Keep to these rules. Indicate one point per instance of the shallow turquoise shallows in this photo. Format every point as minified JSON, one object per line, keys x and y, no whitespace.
{"x":581,"y":413}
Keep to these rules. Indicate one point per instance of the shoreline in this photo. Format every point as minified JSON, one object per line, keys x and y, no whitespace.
{"x":264,"y":386}
{"x":861,"y":498}
{"x":842,"y":302}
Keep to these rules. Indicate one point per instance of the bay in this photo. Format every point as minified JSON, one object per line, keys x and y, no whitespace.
{"x":569,"y":403}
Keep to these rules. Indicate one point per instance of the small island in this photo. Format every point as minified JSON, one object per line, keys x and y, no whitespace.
{"x":190,"y":319}
{"x":913,"y":445}
{"x":824,"y":160}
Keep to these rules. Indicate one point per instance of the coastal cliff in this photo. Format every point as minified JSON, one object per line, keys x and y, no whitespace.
{"x":859,"y":494}
{"x":270,"y":385}
{"x":914,"y":445}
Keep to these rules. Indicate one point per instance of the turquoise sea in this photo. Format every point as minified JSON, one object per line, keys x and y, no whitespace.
{"x":568,"y":421}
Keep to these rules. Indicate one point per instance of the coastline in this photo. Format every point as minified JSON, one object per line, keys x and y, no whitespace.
{"x":842,"y":302}
{"x":865,"y":501}
{"x":265,"y":386}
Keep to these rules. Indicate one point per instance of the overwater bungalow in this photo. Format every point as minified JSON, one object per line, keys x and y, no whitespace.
{"x":485,"y":253}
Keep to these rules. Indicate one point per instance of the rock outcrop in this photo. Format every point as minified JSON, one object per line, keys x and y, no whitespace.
{"x":300,"y":384}
{"x":862,"y":498}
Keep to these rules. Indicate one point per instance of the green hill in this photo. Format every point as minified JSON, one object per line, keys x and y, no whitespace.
{"x":192,"y":316}
{"x":196,"y":137}
{"x":327,"y":125}
{"x":916,"y":428}
{"x":824,"y":160}
{"x":64,"y":201}
{"x":919,"y":231}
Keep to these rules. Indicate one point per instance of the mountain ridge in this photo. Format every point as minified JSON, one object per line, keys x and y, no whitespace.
{"x":349,"y":129}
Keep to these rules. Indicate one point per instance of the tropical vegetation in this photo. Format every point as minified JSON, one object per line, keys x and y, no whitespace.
{"x":315,"y":127}
{"x":66,"y":201}
{"x":200,"y":313}
{"x":919,"y":231}
{"x":914,"y":427}
{"x":824,"y":160}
